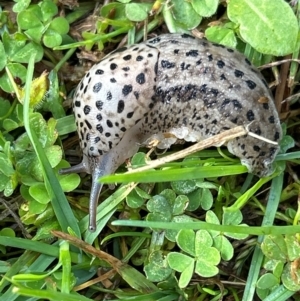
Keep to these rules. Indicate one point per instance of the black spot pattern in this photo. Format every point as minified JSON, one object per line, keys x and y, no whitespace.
{"x":109,"y":123}
{"x":86,"y":109}
{"x":121,"y":106}
{"x":140,"y":79}
{"x":99,"y":71}
{"x":99,"y":117}
{"x":251,"y":84}
{"x":127,"y":57}
{"x":237,"y":104}
{"x":272,"y":119}
{"x":220,"y":64}
{"x":129,"y":115}
{"x":250,"y":115}
{"x":88,"y":124}
{"x":266,"y":106}
{"x":113,"y":66}
{"x":167,"y":64}
{"x":109,"y":95}
{"x":77,"y":103}
{"x":127,"y":89}
{"x":97,"y":87}
{"x":238,"y":73}
{"x":99,"y":105}
{"x":192,"y":53}
{"x":139,"y":58}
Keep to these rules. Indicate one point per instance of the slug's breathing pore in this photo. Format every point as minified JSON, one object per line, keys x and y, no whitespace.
{"x":172,"y":84}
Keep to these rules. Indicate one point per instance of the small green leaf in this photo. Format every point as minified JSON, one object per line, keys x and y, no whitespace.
{"x":35,"y":33}
{"x":267,"y":281}
{"x":293,"y":247}
{"x":35,"y":207}
{"x":205,"y":8}
{"x":180,"y":204}
{"x":203,"y":240}
{"x":286,"y":143}
{"x":194,"y":200}
{"x":54,"y":154}
{"x":274,"y":247}
{"x":186,"y":241}
{"x":52,"y":38}
{"x":23,"y":55}
{"x":60,"y":25}
{"x":9,"y":124}
{"x":221,"y":35}
{"x":184,"y":264}
{"x":184,"y":14}
{"x":3,"y":181}
{"x":184,"y":187}
{"x":291,"y":276}
{"x":39,"y":193}
{"x":232,"y":217}
{"x":159,"y":204}
{"x":269,"y":26}
{"x":207,"y":199}
{"x":137,"y":12}
{"x":6,"y":166}
{"x":48,"y":9}
{"x":5,"y":106}
{"x":7,"y":232}
{"x":21,"y":5}
{"x":26,"y":19}
{"x":222,"y":244}
{"x":17,"y":71}
{"x":157,"y":269}
{"x":3,"y":59}
{"x":133,"y":200}
{"x":207,"y":257}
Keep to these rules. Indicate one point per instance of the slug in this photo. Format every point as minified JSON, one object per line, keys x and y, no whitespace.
{"x":171,"y":84}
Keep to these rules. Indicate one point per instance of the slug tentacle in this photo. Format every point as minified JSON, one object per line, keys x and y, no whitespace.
{"x":174,"y":86}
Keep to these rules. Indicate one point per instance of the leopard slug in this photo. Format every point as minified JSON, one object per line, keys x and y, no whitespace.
{"x":171,"y":84}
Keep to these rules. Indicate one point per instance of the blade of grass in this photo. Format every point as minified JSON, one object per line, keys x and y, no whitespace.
{"x":280,"y":294}
{"x":49,"y":295}
{"x":35,"y":246}
{"x":264,"y":230}
{"x":175,"y":174}
{"x":257,"y":259}
{"x":60,"y":204}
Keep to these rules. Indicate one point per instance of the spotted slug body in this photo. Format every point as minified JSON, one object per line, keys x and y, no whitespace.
{"x":174,"y":84}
